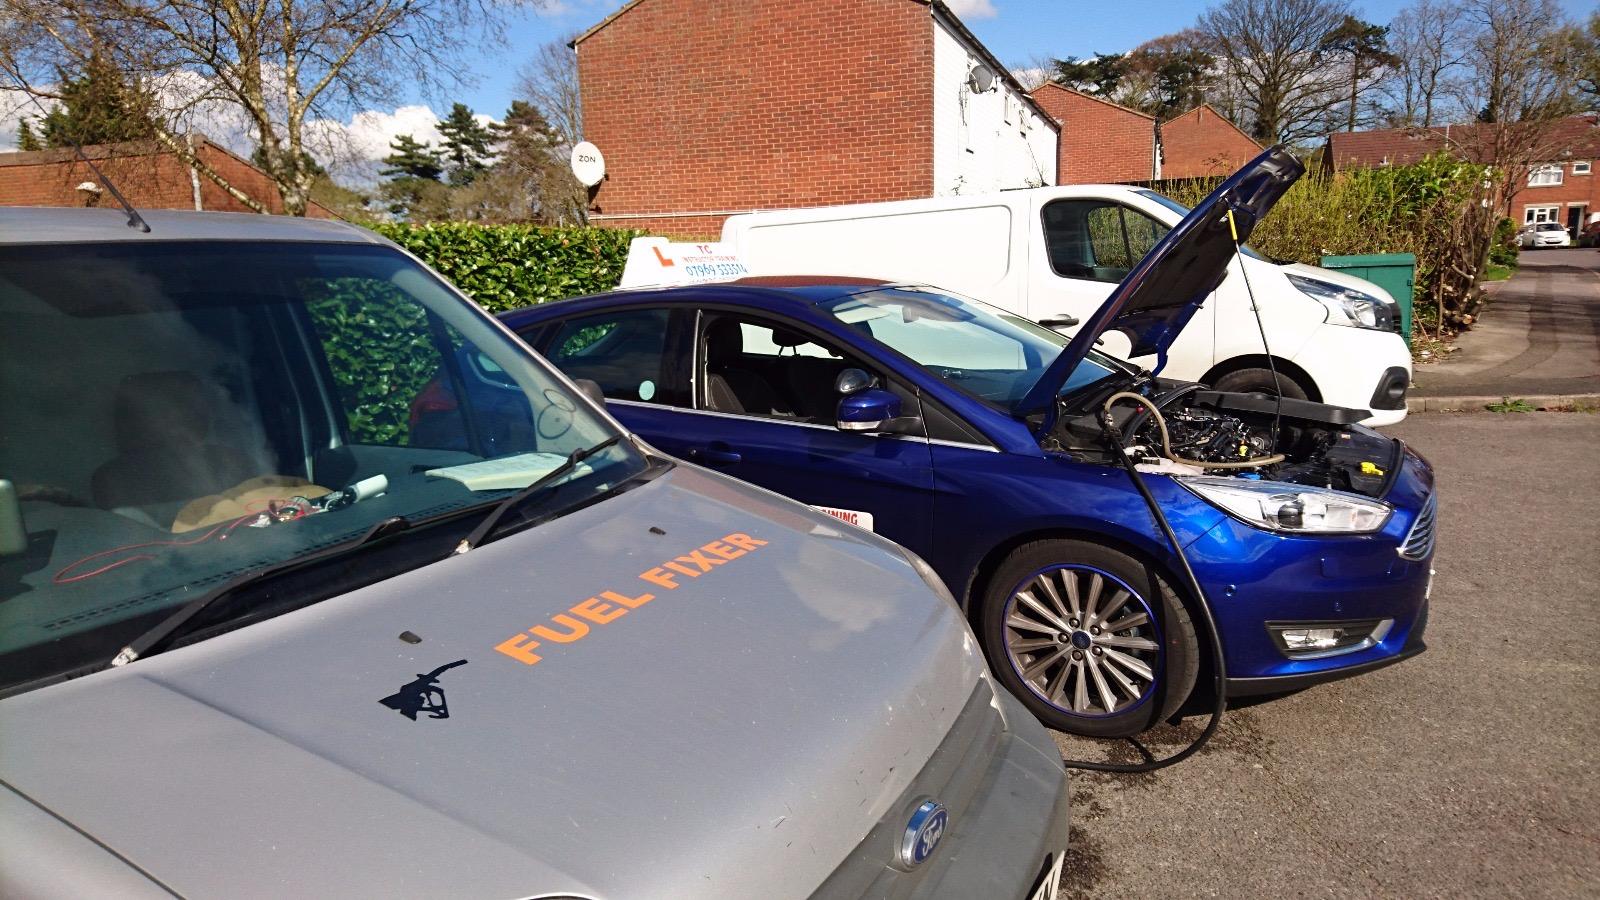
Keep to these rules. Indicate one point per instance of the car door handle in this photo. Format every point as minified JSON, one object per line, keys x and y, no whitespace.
{"x":716,"y":454}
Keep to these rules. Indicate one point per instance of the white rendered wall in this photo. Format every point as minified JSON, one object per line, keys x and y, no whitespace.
{"x":983,"y":142}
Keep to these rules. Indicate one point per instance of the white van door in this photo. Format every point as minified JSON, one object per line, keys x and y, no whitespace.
{"x":1082,"y":247}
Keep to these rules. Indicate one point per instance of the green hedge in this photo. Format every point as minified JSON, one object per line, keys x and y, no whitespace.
{"x":509,"y":266}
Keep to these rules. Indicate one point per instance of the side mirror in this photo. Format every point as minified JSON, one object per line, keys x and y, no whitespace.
{"x":852,"y":381}
{"x":591,"y":389}
{"x":875,"y":410}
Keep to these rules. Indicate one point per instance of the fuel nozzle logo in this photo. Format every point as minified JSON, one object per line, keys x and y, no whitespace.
{"x":423,"y":696}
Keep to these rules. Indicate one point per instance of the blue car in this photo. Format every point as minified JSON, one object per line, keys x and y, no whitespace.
{"x":984,"y":443}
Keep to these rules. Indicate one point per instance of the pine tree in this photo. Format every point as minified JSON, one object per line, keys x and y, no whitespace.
{"x":413,"y":170}
{"x":97,"y":107}
{"x":465,"y":145}
{"x":412,"y":159}
{"x":26,"y":139}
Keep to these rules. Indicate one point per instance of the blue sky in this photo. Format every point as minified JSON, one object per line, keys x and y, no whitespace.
{"x":1015,"y":30}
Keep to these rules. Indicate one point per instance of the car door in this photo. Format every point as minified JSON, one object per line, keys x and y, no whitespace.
{"x":878,"y":482}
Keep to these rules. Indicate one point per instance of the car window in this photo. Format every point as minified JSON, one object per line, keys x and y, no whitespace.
{"x":759,"y":367}
{"x":623,"y":351}
{"x":1097,"y":240}
{"x":983,"y":351}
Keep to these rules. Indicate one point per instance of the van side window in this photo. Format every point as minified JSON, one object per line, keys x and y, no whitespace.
{"x":621,"y":351}
{"x":1097,"y":240}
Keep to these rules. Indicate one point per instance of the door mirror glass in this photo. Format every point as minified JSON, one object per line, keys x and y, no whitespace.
{"x":852,"y":381}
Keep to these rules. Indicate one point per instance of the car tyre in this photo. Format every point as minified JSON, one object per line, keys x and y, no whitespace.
{"x":1127,"y":658}
{"x":1260,"y":381}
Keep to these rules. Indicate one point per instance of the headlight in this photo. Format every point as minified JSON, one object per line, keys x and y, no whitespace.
{"x":1346,"y":306}
{"x":1277,"y":506}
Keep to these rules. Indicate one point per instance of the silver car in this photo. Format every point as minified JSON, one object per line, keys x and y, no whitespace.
{"x":315,"y":582}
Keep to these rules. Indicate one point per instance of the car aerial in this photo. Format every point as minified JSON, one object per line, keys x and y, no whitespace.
{"x":263,"y":634}
{"x":1543,"y":234}
{"x":974,"y":437}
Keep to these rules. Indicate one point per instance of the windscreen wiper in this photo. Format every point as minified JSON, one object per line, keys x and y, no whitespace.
{"x":480,"y":534}
{"x":169,"y":627}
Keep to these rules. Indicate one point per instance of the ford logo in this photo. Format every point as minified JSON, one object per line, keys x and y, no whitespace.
{"x":923,"y":833}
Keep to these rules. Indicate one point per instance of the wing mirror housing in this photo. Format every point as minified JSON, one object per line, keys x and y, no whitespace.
{"x":591,"y":389}
{"x":865,"y":407}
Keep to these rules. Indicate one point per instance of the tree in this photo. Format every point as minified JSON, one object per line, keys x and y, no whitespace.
{"x":1270,"y":55}
{"x":26,"y":139}
{"x":1100,"y":75}
{"x":465,"y":146}
{"x":1524,"y":86}
{"x":413,"y":169}
{"x":1367,"y":47}
{"x":283,"y":63}
{"x":1584,"y":47}
{"x":550,"y":82}
{"x":1431,"y":43}
{"x":96,"y":107}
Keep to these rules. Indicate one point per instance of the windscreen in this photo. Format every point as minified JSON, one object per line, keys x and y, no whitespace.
{"x":989,"y":353}
{"x":175,"y":414}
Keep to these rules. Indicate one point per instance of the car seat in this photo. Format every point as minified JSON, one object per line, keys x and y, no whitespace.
{"x":163,"y":422}
{"x":729,"y":387}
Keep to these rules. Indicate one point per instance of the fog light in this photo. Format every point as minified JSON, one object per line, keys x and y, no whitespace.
{"x":1311,"y":640}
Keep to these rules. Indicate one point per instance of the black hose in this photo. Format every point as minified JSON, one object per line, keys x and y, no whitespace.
{"x":1219,"y":669}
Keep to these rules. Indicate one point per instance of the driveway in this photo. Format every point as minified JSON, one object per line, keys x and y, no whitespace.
{"x":1470,"y":771}
{"x":1539,"y":336}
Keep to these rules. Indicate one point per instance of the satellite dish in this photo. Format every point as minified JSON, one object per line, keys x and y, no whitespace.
{"x":588,"y":164}
{"x":980,"y":79}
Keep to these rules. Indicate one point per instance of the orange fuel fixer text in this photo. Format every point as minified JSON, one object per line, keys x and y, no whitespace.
{"x":575,"y":622}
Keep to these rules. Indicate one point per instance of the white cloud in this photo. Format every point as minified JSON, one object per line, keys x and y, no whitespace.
{"x":973,"y":9}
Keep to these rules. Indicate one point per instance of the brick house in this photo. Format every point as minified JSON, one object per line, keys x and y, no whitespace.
{"x":704,"y":108}
{"x":1562,"y":187}
{"x":1104,"y":142}
{"x":147,"y":174}
{"x":1202,"y":143}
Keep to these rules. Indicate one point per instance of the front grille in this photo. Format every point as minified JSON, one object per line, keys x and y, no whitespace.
{"x":1419,"y":543}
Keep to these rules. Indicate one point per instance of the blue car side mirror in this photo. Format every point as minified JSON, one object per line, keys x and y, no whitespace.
{"x":875,"y":410}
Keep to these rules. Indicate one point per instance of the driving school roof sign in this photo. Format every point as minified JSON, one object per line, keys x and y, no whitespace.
{"x":658,"y":262}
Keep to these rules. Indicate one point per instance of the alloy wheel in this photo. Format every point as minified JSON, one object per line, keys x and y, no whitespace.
{"x":1083,"y":640}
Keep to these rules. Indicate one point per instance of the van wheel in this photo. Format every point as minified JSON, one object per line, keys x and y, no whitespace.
{"x":1089,"y":639}
{"x":1259,"y":381}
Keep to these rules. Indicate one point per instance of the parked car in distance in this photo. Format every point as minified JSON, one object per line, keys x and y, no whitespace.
{"x":974,"y":437}
{"x":262,"y":633}
{"x":1590,"y":235}
{"x":1543,"y":234}
{"x":1053,"y":255}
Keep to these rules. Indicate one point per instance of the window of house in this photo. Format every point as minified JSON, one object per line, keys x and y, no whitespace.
{"x":622,"y":351}
{"x":1544,"y":176}
{"x":1535,"y":214}
{"x":1580,"y":168}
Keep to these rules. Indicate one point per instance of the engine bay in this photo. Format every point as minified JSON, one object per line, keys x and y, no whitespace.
{"x":1181,"y":428}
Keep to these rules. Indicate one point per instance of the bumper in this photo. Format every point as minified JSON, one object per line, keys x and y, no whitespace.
{"x":1327,"y":357}
{"x":1000,"y":841}
{"x":1253,"y":577}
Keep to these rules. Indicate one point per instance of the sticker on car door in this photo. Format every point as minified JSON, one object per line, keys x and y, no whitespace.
{"x":852,"y":516}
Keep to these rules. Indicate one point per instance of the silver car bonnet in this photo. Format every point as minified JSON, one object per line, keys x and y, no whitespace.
{"x":735,"y":736}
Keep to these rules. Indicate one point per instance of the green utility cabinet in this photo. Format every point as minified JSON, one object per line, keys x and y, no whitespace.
{"x":1394,"y":272}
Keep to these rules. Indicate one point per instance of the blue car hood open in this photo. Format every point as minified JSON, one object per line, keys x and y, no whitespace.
{"x":1168,"y":285}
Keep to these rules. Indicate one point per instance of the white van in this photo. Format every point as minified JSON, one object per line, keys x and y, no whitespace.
{"x":1053,"y":254}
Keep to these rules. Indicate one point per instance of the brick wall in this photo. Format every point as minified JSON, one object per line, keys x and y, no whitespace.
{"x":1574,"y":200}
{"x":1202,"y":143}
{"x":149,"y":177}
{"x":730,"y":105}
{"x":1100,"y":141}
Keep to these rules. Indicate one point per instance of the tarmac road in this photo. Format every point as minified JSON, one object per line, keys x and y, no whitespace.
{"x":1539,"y":335}
{"x":1469,"y":771}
